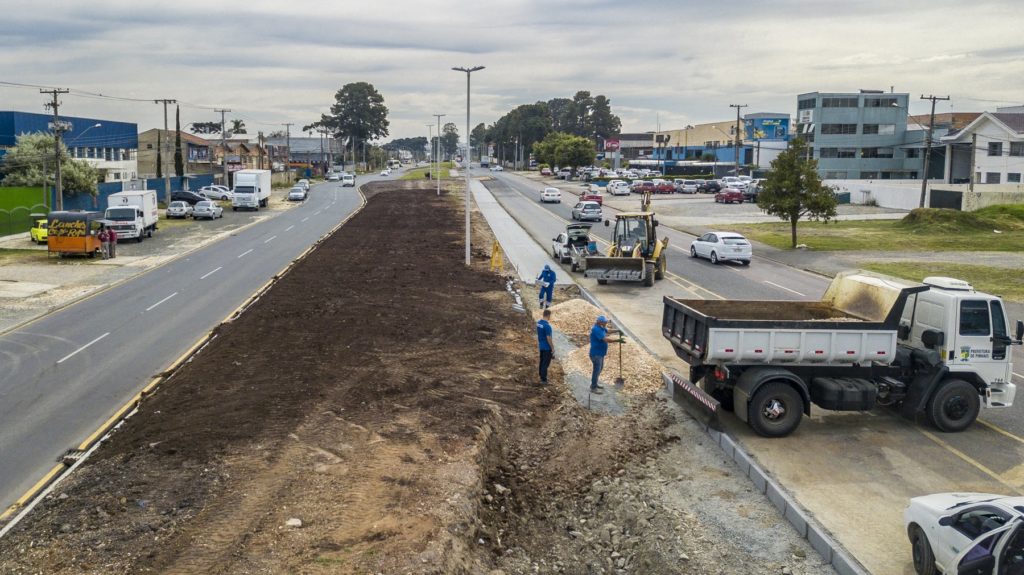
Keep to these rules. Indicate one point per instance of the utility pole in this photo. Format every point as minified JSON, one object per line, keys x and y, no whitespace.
{"x":163,"y":146}
{"x":288,"y":154}
{"x":974,"y":151}
{"x":736,"y":137}
{"x":223,"y":146}
{"x":58,"y":129}
{"x":439,"y":116}
{"x":259,"y":142}
{"x":928,"y":149}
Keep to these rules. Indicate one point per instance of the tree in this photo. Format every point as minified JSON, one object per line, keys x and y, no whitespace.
{"x":237,"y":126}
{"x":179,"y":163}
{"x":603,"y":123}
{"x":278,"y":134}
{"x":794,"y":189}
{"x":582,"y":104}
{"x":358,"y":114}
{"x":30,"y":163}
{"x":478,"y":136}
{"x":449,"y":140}
{"x":561,"y":149}
{"x":205,"y":127}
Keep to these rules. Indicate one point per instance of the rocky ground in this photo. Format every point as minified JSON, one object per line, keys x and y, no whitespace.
{"x":377,"y":411}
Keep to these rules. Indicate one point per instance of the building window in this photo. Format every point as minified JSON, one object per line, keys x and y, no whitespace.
{"x":806,"y":104}
{"x":879,"y":129}
{"x":835,"y":175}
{"x":995,"y":148}
{"x":839,"y":102}
{"x":913,"y":153}
{"x":992,"y":177}
{"x":876,"y":153}
{"x":868,"y":175}
{"x":1013,"y":178}
{"x":828,"y":153}
{"x":832,"y":129}
{"x":880,"y":102}
{"x":1017,"y":148}
{"x":847,"y":153}
{"x":149,"y":146}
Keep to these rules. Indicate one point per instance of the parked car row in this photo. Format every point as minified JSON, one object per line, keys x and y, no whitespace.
{"x":203,"y":209}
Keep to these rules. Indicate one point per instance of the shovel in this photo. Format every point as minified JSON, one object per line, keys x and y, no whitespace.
{"x":620,"y":381}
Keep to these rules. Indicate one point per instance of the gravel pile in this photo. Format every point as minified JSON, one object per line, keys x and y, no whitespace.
{"x":640,"y":370}
{"x":574,"y":317}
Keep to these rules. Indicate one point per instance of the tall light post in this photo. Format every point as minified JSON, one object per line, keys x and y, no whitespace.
{"x":469,"y":73}
{"x":430,"y":142}
{"x":438,"y":152}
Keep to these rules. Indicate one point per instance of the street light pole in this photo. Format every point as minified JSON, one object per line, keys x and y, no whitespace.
{"x":736,"y":138}
{"x":438,"y":152}
{"x":430,"y":142}
{"x":469,"y":72}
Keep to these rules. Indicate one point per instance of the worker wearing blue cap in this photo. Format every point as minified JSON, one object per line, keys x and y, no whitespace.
{"x":546,"y":279}
{"x":599,"y":340}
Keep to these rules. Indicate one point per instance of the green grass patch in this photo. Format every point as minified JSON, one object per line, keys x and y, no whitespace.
{"x":992,"y":229}
{"x":20,"y":256}
{"x":421,"y":173}
{"x":1005,"y":282}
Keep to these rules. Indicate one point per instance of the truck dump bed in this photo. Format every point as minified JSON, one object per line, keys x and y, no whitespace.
{"x":856,"y":321}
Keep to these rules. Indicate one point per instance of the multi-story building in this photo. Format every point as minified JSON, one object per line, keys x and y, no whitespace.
{"x":763,"y":135}
{"x":108,"y":146}
{"x":991,"y":148}
{"x":863,"y":135}
{"x":195,"y":151}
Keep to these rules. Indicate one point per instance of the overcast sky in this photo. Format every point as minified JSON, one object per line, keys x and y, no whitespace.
{"x":677,"y":61}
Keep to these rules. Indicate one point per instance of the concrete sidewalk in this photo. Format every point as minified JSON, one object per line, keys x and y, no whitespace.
{"x":526,"y":256}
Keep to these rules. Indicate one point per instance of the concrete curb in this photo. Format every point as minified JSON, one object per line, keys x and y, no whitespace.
{"x":803,"y":521}
{"x":76,"y":456}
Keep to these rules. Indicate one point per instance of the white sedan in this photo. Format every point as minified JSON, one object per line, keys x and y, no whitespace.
{"x":551,"y":195}
{"x":497,"y":168}
{"x":215,"y":192}
{"x":386,"y":172}
{"x":966,"y":533}
{"x":722,"y":246}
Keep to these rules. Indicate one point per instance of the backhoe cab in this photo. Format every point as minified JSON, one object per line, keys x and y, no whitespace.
{"x":636,"y":253}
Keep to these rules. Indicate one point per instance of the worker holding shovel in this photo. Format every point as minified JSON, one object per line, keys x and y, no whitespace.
{"x":600,"y":337}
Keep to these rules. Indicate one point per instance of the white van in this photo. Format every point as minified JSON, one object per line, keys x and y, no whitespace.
{"x":348,"y":180}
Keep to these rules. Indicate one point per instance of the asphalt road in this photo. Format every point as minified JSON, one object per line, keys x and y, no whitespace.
{"x":66,"y":373}
{"x":763,"y":279}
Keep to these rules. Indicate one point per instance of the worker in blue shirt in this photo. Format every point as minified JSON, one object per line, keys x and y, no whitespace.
{"x":599,"y":339}
{"x":546,"y":279}
{"x":546,"y":345}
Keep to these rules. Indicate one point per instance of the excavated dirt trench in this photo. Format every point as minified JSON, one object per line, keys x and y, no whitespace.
{"x":377,"y":411}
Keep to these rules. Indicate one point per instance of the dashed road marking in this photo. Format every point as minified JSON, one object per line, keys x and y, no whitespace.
{"x":784,"y":287}
{"x":81,"y":349}
{"x":270,"y":239}
{"x":210,"y":273}
{"x":150,"y":308}
{"x":289,"y":228}
{"x":304,"y":219}
{"x":245,"y":253}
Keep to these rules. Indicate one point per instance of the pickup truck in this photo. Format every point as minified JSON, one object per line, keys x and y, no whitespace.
{"x":574,"y":236}
{"x":938,"y":349}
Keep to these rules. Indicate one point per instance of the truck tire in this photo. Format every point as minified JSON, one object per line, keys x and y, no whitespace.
{"x":659,"y":272}
{"x":775,"y":409}
{"x":602,"y":281}
{"x":723,"y":396}
{"x":648,"y":275}
{"x":921,"y":551}
{"x":955,"y":405}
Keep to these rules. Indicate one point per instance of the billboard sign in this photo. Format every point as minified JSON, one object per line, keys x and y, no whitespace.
{"x":612,"y":145}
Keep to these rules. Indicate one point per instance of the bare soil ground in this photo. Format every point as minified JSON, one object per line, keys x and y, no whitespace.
{"x":377,"y":411}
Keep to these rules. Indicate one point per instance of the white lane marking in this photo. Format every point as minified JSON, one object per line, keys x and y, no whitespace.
{"x":245,"y":253}
{"x":210,"y":273}
{"x":304,"y":219}
{"x":784,"y":287}
{"x":289,"y":228}
{"x":70,"y":355}
{"x":317,"y":213}
{"x":150,"y":308}
{"x":268,"y":240}
{"x":1018,"y":375}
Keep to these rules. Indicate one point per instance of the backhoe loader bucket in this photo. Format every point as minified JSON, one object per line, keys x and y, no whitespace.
{"x":617,"y":269}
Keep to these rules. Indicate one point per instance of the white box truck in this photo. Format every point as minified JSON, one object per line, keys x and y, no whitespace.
{"x":252,"y":189}
{"x":937,"y":350}
{"x":134,"y":213}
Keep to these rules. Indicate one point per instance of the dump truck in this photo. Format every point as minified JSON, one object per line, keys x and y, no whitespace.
{"x":636,"y":254}
{"x":936,"y":350}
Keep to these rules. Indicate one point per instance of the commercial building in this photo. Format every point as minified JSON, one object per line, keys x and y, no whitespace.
{"x":320,"y":153}
{"x":108,"y":146}
{"x":989,"y":150}
{"x":763,"y":135}
{"x":864,"y":135}
{"x":196,"y":153}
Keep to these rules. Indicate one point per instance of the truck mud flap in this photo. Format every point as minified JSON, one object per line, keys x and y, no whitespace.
{"x":617,"y":269}
{"x":697,"y":403}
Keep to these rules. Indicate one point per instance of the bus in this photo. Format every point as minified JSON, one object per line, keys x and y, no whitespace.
{"x":394,"y":164}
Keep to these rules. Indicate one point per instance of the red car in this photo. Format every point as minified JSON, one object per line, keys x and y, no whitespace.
{"x":646,"y":187}
{"x":665,"y":188}
{"x":728,"y":196}
{"x":592,"y":197}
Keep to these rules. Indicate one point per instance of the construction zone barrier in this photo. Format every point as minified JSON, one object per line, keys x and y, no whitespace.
{"x":694,"y":400}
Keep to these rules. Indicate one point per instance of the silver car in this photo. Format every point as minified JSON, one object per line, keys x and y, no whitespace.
{"x":587,"y":211}
{"x":297,"y":194}
{"x":207,"y":209}
{"x":179,"y":210}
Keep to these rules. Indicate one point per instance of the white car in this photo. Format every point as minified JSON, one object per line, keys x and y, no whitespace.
{"x":966,"y":533}
{"x":207,"y":209}
{"x":333,"y":177}
{"x":722,"y":246}
{"x":304,"y":183}
{"x":618,"y":188}
{"x":497,"y":168}
{"x":587,"y":211}
{"x":348,"y":180}
{"x":215,"y":192}
{"x":179,"y":210}
{"x":734,"y":183}
{"x":297,"y":194}
{"x":575,"y":235}
{"x":688,"y":187}
{"x":385,"y":172}
{"x":551,"y":195}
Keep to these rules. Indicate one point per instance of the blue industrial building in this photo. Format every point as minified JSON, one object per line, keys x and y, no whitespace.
{"x":110,"y":146}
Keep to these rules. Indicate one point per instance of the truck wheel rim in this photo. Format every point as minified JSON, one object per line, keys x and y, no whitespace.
{"x":774,"y":409}
{"x":956,"y":407}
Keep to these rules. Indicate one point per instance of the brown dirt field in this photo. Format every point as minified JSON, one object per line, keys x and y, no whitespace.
{"x":385,"y":397}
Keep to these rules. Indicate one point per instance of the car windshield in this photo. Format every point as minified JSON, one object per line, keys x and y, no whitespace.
{"x":734,"y":241}
{"x":121,"y":214}
{"x":178,"y":204}
{"x":244,"y":189}
{"x":41,"y":225}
